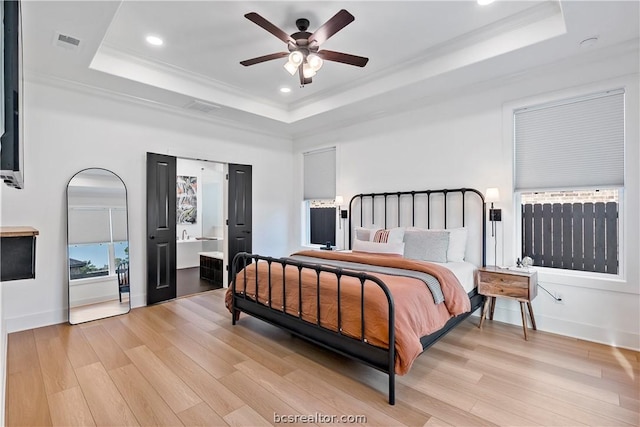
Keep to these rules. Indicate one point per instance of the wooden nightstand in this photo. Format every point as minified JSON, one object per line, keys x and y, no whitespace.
{"x":521,"y":286}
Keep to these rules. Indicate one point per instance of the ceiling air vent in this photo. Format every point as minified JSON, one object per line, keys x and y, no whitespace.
{"x":66,"y":42}
{"x":203,"y":107}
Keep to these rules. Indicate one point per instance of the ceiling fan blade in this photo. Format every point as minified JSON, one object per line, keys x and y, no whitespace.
{"x":260,"y":21}
{"x":345,"y":58}
{"x":264,"y":58}
{"x":332,"y":26}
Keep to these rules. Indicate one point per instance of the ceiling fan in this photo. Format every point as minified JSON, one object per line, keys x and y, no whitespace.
{"x":305,"y":56}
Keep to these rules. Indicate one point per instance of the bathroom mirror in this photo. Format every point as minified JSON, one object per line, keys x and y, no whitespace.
{"x":97,"y":246}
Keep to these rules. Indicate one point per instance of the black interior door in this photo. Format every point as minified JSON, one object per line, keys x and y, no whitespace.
{"x":239,"y":211}
{"x":161,"y":228}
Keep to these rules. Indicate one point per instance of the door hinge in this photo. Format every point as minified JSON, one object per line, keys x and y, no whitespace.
{"x":226,"y":267}
{"x":227,"y":221}
{"x":227,"y":177}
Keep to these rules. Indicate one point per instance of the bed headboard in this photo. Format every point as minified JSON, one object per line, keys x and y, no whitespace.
{"x":446,"y":208}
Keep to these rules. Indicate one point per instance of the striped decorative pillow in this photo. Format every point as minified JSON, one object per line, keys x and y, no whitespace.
{"x":393,"y":235}
{"x":381,"y":236}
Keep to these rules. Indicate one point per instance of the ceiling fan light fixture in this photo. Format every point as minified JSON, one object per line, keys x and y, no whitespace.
{"x":291,"y":67}
{"x":303,"y":46}
{"x":315,"y":62}
{"x":296,"y":57}
{"x":308,"y":71}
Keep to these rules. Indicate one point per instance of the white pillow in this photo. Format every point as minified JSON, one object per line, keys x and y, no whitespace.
{"x":364,"y":233}
{"x":457,"y":244}
{"x":426,"y":245}
{"x":378,"y":248}
{"x":394,"y":235}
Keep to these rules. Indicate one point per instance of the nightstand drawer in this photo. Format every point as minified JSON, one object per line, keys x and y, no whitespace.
{"x":504,"y":288}
{"x":504,"y":279}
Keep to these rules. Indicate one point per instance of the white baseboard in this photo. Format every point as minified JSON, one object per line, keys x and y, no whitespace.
{"x":615,"y":338}
{"x":38,"y":320}
{"x":54,"y":317}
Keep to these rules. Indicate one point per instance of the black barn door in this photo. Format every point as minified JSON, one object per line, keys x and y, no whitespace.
{"x":239,"y":211}
{"x":161,"y":228}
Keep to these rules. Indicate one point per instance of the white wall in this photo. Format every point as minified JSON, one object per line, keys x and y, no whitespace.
{"x":68,"y":130}
{"x":463,"y":139}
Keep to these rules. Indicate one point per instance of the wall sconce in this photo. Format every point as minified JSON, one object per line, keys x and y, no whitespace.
{"x":339,"y":200}
{"x":493,"y":195}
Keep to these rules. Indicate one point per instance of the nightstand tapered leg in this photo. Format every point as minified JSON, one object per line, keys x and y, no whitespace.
{"x":524,"y":320}
{"x":485,"y":307}
{"x":533,"y":320}
{"x":493,"y":307}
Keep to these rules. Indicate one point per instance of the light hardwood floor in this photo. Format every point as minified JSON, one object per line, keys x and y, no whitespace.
{"x":183,"y":363}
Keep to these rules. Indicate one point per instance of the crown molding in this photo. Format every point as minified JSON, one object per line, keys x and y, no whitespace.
{"x":131,"y":67}
{"x":92,"y":90}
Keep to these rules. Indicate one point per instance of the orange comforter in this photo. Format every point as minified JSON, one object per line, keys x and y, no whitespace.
{"x":416,"y":314}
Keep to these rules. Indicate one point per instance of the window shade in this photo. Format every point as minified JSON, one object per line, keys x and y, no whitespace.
{"x":119,"y":224}
{"x":320,"y":174}
{"x":570,"y":144}
{"x":89,"y":225}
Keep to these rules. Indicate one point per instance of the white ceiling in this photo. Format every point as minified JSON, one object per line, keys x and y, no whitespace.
{"x":415,"y":48}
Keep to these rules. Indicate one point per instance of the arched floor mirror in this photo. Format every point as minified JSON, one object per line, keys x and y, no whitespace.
{"x":97,"y":246}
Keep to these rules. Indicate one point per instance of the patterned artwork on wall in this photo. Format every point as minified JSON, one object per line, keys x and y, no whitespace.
{"x":187,"y":199}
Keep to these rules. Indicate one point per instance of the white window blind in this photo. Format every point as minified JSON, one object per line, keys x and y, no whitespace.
{"x":118,"y":225}
{"x":320,"y":174}
{"x":570,"y":144}
{"x":89,"y":225}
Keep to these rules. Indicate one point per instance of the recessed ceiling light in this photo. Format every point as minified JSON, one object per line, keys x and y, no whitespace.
{"x":154,"y":40}
{"x":485,"y":2}
{"x":285,"y":89}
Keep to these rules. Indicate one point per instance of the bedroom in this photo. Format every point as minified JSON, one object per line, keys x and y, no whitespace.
{"x":71,"y":126}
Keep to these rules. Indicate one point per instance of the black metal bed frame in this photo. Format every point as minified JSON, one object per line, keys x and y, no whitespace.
{"x":358,"y":349}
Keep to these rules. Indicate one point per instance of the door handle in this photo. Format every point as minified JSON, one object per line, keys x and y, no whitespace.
{"x":246,"y":232}
{"x":152,"y":237}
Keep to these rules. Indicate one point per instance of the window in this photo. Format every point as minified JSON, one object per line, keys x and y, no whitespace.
{"x":319,"y":194}
{"x":322,"y":222}
{"x":569,"y":176}
{"x":572,"y":230}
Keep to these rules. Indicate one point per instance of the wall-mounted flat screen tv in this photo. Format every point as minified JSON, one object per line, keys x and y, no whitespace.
{"x":11,"y":152}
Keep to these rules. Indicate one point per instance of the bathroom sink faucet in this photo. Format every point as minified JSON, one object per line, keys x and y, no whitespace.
{"x":184,"y":233}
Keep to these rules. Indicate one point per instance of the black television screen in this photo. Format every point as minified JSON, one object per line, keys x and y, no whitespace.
{"x":11,"y":144}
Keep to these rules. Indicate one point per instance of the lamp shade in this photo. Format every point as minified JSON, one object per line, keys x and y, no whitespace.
{"x":492,"y":195}
{"x":296,"y":57}
{"x":339,"y":200}
{"x":291,"y":67}
{"x":307,"y":71}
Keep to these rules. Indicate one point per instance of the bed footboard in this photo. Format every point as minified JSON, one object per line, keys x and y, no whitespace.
{"x":358,"y":349}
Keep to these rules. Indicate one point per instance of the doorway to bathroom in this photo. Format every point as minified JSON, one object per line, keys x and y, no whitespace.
{"x":176,"y":228}
{"x":200,"y":228}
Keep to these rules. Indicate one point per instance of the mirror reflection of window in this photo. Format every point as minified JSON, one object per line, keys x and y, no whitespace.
{"x":98,"y":246}
{"x":90,"y":260}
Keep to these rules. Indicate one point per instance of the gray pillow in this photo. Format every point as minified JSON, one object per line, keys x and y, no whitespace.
{"x":426,"y":245}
